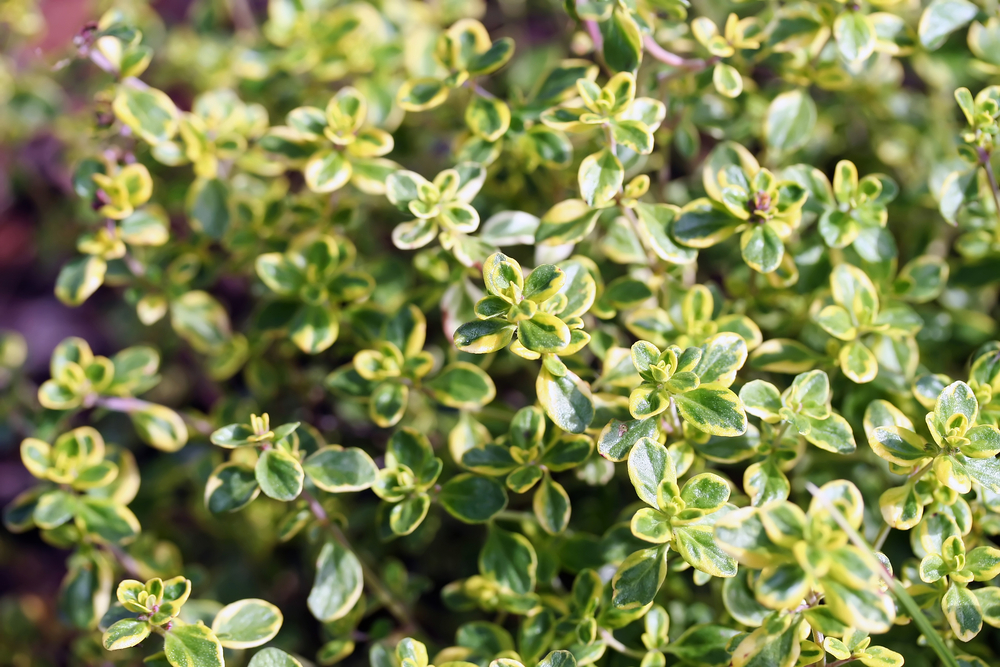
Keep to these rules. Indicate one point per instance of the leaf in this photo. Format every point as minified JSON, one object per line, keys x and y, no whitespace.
{"x":472,"y":499}
{"x":273,"y":657}
{"x":648,"y":465}
{"x":208,"y":207}
{"x":462,"y":385}
{"x":855,"y":35}
{"x":697,"y":546}
{"x":568,"y":221}
{"x":727,"y":80}
{"x":106,"y":521}
{"x":622,"y":41}
{"x":762,"y":248}
{"x":638,"y":578}
{"x":422,"y":94}
{"x":941,"y":18}
{"x":552,"y":506}
{"x":487,"y":118}
{"x":509,"y":559}
{"x":279,"y":474}
{"x":484,"y":336}
{"x":618,"y":437}
{"x":247,"y":623}
{"x":231,"y":486}
{"x":566,"y":399}
{"x":713,"y":409}
{"x":188,"y":645}
{"x":149,"y":112}
{"x":406,"y":516}
{"x":80,"y":278}
{"x":338,"y":585}
{"x":601,"y":175}
{"x":160,"y":427}
{"x":327,"y":171}
{"x":125,"y":633}
{"x":339,"y":470}
{"x":790,"y":120}
{"x":314,"y":328}
{"x":858,"y":362}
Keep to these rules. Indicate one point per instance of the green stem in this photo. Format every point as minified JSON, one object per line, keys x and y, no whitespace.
{"x":372,"y":580}
{"x":905,"y":600}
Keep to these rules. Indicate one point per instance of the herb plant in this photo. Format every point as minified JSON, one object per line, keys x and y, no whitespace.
{"x":502,"y":334}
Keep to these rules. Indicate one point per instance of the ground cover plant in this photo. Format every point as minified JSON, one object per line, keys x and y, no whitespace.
{"x":500,"y":334}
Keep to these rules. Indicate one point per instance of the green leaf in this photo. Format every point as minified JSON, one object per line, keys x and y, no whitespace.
{"x":231,"y":486}
{"x":489,"y":61}
{"x":858,"y":362}
{"x":703,"y":645}
{"x":422,"y":94}
{"x":655,"y":221}
{"x":724,"y":354}
{"x":622,"y":41}
{"x":638,"y":578}
{"x":272,"y":657}
{"x":509,"y":559}
{"x":462,"y":385}
{"x":713,"y":409}
{"x":339,"y":470}
{"x":160,"y":427}
{"x":697,"y":546}
{"x":247,"y":623}
{"x":703,"y":223}
{"x":125,"y":633}
{"x":618,"y":437}
{"x":855,"y":35}
{"x":208,"y":207}
{"x":648,"y":465}
{"x":566,"y":399}
{"x":149,"y":112}
{"x":634,"y":134}
{"x":762,"y":248}
{"x":472,"y":499}
{"x":327,"y":171}
{"x":79,"y":279}
{"x":727,"y":80}
{"x":552,"y":506}
{"x":761,"y":399}
{"x":200,"y":319}
{"x":543,"y":333}
{"x":484,"y":336}
{"x":192,"y":646}
{"x":407,"y":515}
{"x":314,"y":328}
{"x":790,"y":120}
{"x":962,"y":611}
{"x":487,"y":118}
{"x":279,"y":474}
{"x":106,"y":521}
{"x":568,"y":221}
{"x":338,"y":585}
{"x":601,"y":175}
{"x":941,"y":18}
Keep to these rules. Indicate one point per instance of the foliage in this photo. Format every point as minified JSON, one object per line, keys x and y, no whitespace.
{"x":722,"y":240}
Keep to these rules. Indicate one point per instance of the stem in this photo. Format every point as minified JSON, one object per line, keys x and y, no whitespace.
{"x":130,"y":564}
{"x":242,"y":16}
{"x":482,"y":92}
{"x":672,"y":59}
{"x":512,"y":515}
{"x":905,"y":600}
{"x":610,"y":640}
{"x":883,"y":533}
{"x":395,"y":607}
{"x":122,"y":404}
{"x":984,"y":160}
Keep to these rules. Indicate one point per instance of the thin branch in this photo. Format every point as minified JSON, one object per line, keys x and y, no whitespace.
{"x":672,"y":59}
{"x":610,"y":640}
{"x":984,"y":159}
{"x":395,"y":607}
